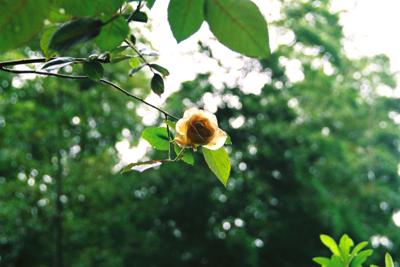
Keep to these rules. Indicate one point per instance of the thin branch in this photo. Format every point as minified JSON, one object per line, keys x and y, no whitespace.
{"x":80,"y":77}
{"x":138,"y":98}
{"x":22,"y":61}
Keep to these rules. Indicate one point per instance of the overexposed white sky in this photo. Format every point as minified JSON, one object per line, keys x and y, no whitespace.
{"x":370,"y":28}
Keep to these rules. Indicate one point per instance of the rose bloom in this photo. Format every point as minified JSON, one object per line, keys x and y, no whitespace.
{"x":199,"y":128}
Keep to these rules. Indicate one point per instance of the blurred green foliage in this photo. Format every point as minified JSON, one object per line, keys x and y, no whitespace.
{"x":313,"y":155}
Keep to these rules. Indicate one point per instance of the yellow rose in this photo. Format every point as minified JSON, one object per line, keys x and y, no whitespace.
{"x":199,"y":128}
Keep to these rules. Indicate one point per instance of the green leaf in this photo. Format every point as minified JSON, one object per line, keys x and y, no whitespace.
{"x":93,"y":69}
{"x":135,"y":70}
{"x":138,"y":16}
{"x":335,"y":262}
{"x":157,"y":84}
{"x":90,"y":8}
{"x":134,"y":62}
{"x":239,"y":25}
{"x":150,"y":3}
{"x":388,"y":260}
{"x":322,"y":261}
{"x":171,"y":124}
{"x":73,"y":32}
{"x":58,"y":63}
{"x":330,"y":243}
{"x":219,"y":163}
{"x":361,"y":258}
{"x":45,"y":41}
{"x":163,"y":71}
{"x":187,"y":155}
{"x":113,"y":34}
{"x":157,"y":137}
{"x":358,"y":248}
{"x":228,"y":140}
{"x":345,"y":244}
{"x":20,"y":21}
{"x":185,"y":17}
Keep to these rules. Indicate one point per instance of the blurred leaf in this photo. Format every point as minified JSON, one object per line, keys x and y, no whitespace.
{"x":228,"y":140}
{"x":219,"y":163}
{"x":157,"y":137}
{"x":135,"y":70}
{"x":171,"y":124}
{"x":157,"y":84}
{"x":134,"y":62}
{"x":150,"y":3}
{"x":93,"y":69}
{"x":185,"y":17}
{"x":90,"y":8}
{"x":45,"y":40}
{"x":388,"y":260}
{"x":239,"y":25}
{"x":163,"y":71}
{"x":330,"y":243}
{"x":74,"y":32}
{"x":20,"y":21}
{"x":113,"y":34}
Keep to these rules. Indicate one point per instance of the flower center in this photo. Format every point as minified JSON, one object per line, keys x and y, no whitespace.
{"x":200,"y":131}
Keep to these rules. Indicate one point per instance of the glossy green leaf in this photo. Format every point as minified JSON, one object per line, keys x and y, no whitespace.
{"x":138,"y":16}
{"x":388,"y":260}
{"x":157,"y":84}
{"x":239,"y":25}
{"x":358,"y":248}
{"x":187,"y":155}
{"x":73,"y":32}
{"x":345,"y":244}
{"x":361,"y":258}
{"x":163,"y":71}
{"x":20,"y":21}
{"x":185,"y":17}
{"x":90,"y":8}
{"x":322,"y":261}
{"x":330,"y":243}
{"x":113,"y":34}
{"x":219,"y":163}
{"x":93,"y":69}
{"x":157,"y":137}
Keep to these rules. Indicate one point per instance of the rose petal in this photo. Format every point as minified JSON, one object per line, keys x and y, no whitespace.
{"x":218,"y":140}
{"x":181,"y":140}
{"x":211,"y":117}
{"x":190,"y":112}
{"x":182,"y":126}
